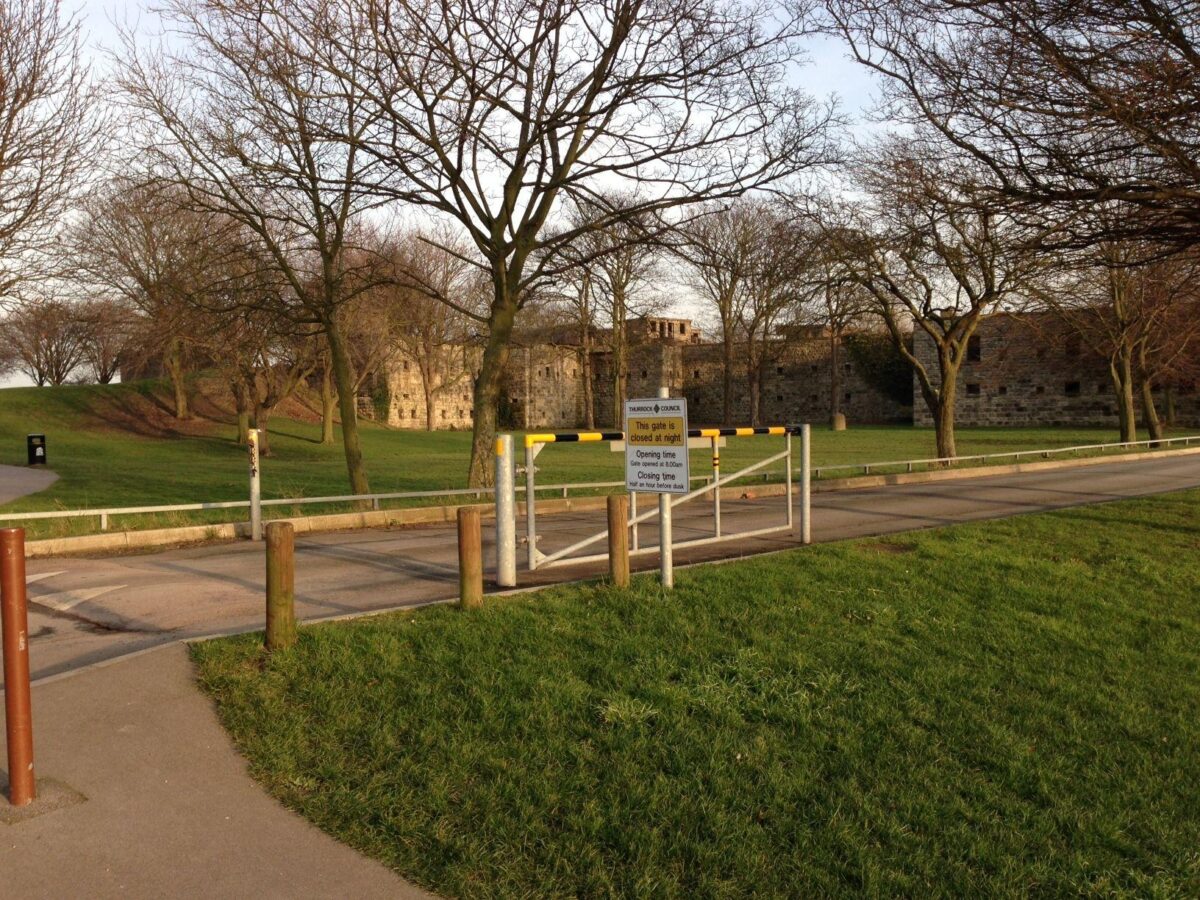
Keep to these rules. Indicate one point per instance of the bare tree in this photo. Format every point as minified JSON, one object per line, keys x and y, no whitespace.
{"x":46,"y":128}
{"x":46,"y":339}
{"x":430,"y":330}
{"x":721,"y":248}
{"x":1064,"y":103}
{"x":775,"y":287}
{"x":138,"y":244}
{"x":491,"y":113}
{"x":108,"y":326}
{"x":933,"y":257}
{"x":255,"y":131}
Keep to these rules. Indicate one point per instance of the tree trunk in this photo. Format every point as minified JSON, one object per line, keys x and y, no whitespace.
{"x":343,"y":377}
{"x":943,"y":406}
{"x":1121,"y":368}
{"x":262,"y":415}
{"x":327,"y":403}
{"x":754,"y":380}
{"x":428,"y":392}
{"x":487,"y":387}
{"x":727,"y":376}
{"x":620,"y":355}
{"x":173,"y":360}
{"x":241,"y":404}
{"x":585,"y":367}
{"x":1150,"y":412}
{"x":835,"y":378}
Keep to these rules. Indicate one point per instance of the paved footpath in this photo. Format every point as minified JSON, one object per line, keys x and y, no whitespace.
{"x":17,"y":481}
{"x":168,"y":808}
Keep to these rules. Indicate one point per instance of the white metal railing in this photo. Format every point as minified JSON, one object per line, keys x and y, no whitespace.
{"x":1011,"y":454}
{"x":104,"y":513}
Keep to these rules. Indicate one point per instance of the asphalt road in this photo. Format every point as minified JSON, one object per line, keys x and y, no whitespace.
{"x":87,"y":610}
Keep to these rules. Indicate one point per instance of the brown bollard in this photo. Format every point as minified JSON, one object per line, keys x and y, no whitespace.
{"x":470,"y":558}
{"x":618,"y":539}
{"x":18,"y":715}
{"x":281,"y":585}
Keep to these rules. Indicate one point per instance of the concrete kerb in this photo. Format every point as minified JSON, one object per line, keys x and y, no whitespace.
{"x":121,"y":541}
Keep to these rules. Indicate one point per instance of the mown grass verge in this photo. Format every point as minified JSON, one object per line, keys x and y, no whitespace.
{"x":1008,"y":708}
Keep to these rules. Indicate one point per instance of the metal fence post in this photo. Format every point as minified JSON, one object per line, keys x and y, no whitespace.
{"x":716,"y":467}
{"x":18,"y":715}
{"x":666,"y":557}
{"x":255,"y":486}
{"x":787,"y":470}
{"x":633,"y":530}
{"x":506,"y":513}
{"x":530,"y":507}
{"x":806,"y":483}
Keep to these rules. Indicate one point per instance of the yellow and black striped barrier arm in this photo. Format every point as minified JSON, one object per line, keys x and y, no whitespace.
{"x":578,"y":437}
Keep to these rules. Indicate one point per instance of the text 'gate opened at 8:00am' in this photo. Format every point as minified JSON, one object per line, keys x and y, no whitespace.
{"x":656,"y":446}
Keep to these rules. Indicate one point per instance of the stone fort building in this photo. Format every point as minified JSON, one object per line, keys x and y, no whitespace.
{"x":1021,"y":370}
{"x":1033,"y":369}
{"x":543,"y":383}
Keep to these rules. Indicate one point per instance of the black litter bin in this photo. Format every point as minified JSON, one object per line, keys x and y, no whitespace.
{"x":35,"y":444}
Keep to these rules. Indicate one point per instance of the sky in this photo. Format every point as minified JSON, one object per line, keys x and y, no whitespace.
{"x":830,"y":72}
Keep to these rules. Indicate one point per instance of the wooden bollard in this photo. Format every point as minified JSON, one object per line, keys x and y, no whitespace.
{"x":618,"y":539}
{"x":470,"y":558}
{"x":281,"y":585}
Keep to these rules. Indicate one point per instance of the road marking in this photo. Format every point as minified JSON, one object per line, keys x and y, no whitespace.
{"x":64,"y":600}
{"x":41,"y":576}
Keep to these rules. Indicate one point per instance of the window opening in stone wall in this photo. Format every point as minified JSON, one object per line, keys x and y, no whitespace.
{"x":1072,"y":389}
{"x":974,"y":349}
{"x":779,"y":370}
{"x":643,"y":373}
{"x":696,"y":373}
{"x":846,"y":399}
{"x":1002,"y":390}
{"x":973,"y":390}
{"x":1040,"y":389}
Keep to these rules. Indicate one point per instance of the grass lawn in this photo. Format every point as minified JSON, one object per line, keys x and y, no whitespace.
{"x":114,"y":446}
{"x":1009,"y":708}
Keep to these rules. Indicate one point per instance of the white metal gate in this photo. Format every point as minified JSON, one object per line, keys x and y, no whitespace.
{"x":535,"y":443}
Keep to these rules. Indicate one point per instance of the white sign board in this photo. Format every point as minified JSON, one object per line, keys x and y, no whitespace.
{"x":656,"y":446}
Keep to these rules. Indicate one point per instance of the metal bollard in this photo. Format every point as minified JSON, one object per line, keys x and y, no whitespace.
{"x":18,"y":715}
{"x":506,"y":513}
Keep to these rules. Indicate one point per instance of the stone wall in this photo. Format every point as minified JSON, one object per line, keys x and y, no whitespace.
{"x":453,"y":378}
{"x":1033,"y":370}
{"x":542,"y":387}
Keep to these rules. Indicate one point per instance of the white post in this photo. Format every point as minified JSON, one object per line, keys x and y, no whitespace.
{"x":787,"y":469}
{"x":506,"y":513}
{"x":806,"y":483}
{"x":667,"y":567}
{"x":716,"y":476}
{"x":255,"y":486}
{"x":632,"y":518}
{"x":530,"y":507}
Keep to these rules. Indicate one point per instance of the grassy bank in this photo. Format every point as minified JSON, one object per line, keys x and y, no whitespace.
{"x":117,"y":446}
{"x":997,"y":709}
